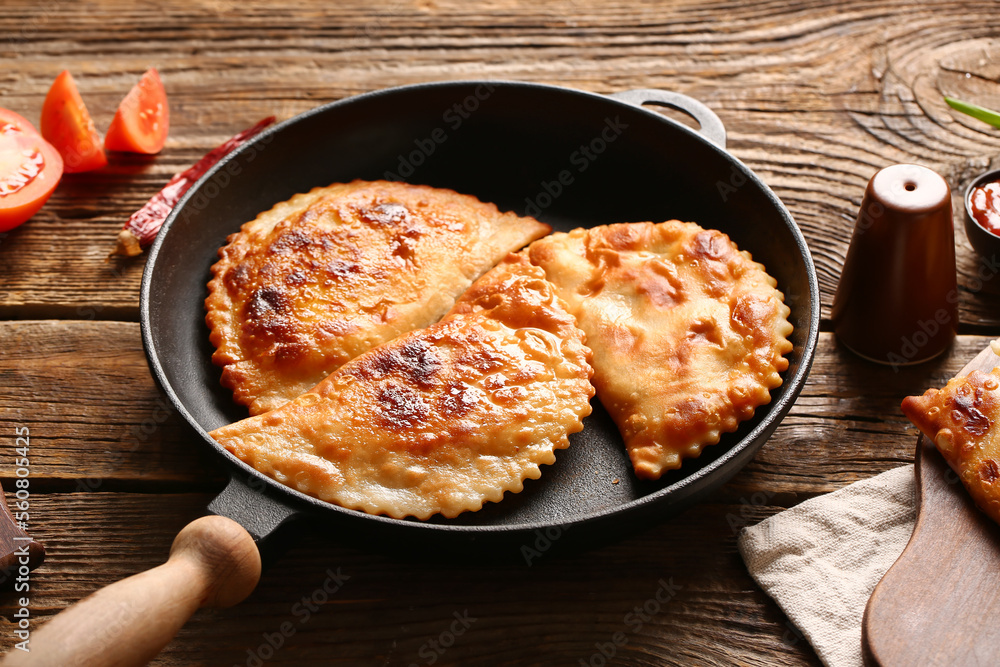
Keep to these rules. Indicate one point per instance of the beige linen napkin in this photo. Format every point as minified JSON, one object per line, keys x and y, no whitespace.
{"x":821,"y":559}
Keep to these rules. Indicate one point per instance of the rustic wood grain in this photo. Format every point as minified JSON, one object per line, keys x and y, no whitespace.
{"x":391,"y":605}
{"x":816,"y":96}
{"x":847,"y":401}
{"x":846,"y":424}
{"x":96,"y":418}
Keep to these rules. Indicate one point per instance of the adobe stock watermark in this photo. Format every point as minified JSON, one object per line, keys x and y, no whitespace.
{"x":924,"y":331}
{"x":224,"y":176}
{"x":27,"y":29}
{"x":433,"y":649}
{"x":21,"y":510}
{"x":868,"y":215}
{"x":633,"y":622}
{"x":757,"y":499}
{"x":792,"y":635}
{"x":424,"y":147}
{"x":737,"y":179}
{"x":114,"y":622}
{"x":542,"y":542}
{"x":139,"y":434}
{"x":578,"y":162}
{"x":302,"y":611}
{"x":380,"y":18}
{"x":875,"y":209}
{"x":92,"y":311}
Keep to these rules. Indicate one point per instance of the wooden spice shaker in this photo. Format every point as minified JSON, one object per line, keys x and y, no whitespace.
{"x":897,"y":301}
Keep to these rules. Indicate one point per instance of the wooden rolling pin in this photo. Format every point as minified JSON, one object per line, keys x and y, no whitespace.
{"x":213,"y":563}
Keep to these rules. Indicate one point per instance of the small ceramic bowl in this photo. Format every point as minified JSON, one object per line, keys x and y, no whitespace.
{"x":985,"y":242}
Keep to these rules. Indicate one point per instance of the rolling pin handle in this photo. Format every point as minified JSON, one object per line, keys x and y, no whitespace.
{"x":213,"y":563}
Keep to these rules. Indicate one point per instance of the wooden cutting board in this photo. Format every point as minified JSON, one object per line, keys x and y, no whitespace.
{"x":936,"y":605}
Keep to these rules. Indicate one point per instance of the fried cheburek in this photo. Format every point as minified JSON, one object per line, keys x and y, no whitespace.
{"x":328,"y":274}
{"x":688,"y":332}
{"x":963,"y":422}
{"x":438,"y":420}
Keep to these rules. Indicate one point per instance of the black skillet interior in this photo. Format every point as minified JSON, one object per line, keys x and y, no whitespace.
{"x":571,"y":159}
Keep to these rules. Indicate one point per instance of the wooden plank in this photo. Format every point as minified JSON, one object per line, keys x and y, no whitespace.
{"x":847,"y":425}
{"x":561,"y":608}
{"x":816,"y":96}
{"x":95,"y":417}
{"x":84,"y":391}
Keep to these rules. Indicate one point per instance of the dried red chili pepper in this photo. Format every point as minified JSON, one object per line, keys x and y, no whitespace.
{"x":142,"y":227}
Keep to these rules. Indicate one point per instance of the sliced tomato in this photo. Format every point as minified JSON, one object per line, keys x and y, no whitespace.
{"x":67,"y":126}
{"x":143,"y":118}
{"x":8,"y":117}
{"x":30,"y":169}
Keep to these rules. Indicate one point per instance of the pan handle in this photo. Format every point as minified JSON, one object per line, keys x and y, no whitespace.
{"x":213,"y":563}
{"x":248,"y":501}
{"x":711,"y":125}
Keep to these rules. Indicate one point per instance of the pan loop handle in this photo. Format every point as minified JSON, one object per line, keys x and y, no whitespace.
{"x":711,"y":126}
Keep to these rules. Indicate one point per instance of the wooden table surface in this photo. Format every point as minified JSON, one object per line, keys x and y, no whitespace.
{"x":816,"y":96}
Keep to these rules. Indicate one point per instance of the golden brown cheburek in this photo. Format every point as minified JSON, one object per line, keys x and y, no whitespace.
{"x":331,"y":273}
{"x":963,"y":422}
{"x":438,"y":420}
{"x":689,"y":333}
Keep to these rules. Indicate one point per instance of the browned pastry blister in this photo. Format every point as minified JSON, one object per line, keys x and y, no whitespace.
{"x":688,"y":332}
{"x":963,"y":422}
{"x":438,"y":420}
{"x":331,"y":273}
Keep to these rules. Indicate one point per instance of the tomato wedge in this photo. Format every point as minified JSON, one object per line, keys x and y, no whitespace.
{"x":67,"y":126}
{"x":30,"y":169}
{"x":143,"y":118}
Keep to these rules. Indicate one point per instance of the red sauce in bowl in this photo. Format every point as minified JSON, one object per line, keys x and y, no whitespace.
{"x":984,"y":204}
